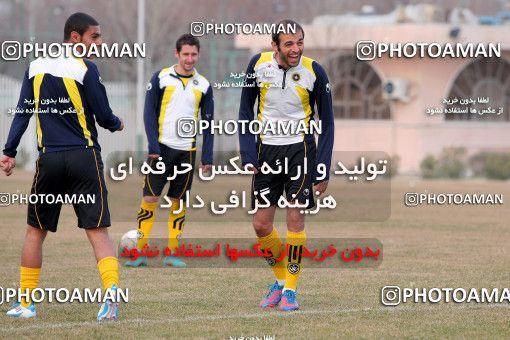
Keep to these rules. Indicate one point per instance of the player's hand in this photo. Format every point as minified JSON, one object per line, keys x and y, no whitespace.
{"x":320,"y":187}
{"x":121,"y":125}
{"x":251,"y":167}
{"x":7,"y":164}
{"x":153,"y":155}
{"x":206,"y":168}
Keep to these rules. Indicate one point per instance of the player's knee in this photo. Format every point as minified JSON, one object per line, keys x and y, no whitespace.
{"x":295,"y":220}
{"x":36,"y":233}
{"x":262,"y":227}
{"x":150,"y":199}
{"x":97,"y":233}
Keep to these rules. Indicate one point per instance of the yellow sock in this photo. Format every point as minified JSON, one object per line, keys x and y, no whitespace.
{"x":145,"y":221}
{"x":295,"y":243}
{"x":274,"y":243}
{"x":175,"y":227}
{"x":29,"y":279}
{"x":109,"y":271}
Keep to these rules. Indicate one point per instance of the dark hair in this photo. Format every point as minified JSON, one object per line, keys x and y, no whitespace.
{"x":283,"y":28}
{"x":78,"y":22}
{"x":187,"y":39}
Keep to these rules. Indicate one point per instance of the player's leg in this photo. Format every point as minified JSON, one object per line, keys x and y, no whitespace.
{"x":108,"y":267}
{"x":84,"y":176}
{"x":269,"y":188}
{"x":106,"y":258}
{"x":296,"y":239}
{"x":269,"y":239}
{"x":153,"y":185}
{"x":30,"y":270}
{"x":41,"y":218}
{"x":146,"y":217}
{"x":298,"y":188}
{"x":177,"y":190}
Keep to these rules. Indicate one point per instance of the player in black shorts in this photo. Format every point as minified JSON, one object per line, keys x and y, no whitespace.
{"x":69,"y":163}
{"x":175,"y":160}
{"x":174,"y":96}
{"x":287,"y":86}
{"x":296,"y":184}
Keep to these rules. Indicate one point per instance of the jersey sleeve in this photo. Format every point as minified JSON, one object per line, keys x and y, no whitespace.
{"x":24,"y":111}
{"x":322,"y":95}
{"x":97,"y":100}
{"x":151,"y":114}
{"x":249,"y":94}
{"x":207,"y":113}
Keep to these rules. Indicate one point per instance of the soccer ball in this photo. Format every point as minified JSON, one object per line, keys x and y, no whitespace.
{"x":130,"y":239}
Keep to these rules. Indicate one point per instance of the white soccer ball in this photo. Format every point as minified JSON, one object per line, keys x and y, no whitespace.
{"x":130,"y":239}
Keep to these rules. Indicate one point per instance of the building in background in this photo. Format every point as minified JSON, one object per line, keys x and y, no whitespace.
{"x":379,"y":105}
{"x":382,"y":104}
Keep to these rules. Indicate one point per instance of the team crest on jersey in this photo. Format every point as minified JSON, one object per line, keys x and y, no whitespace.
{"x":195,"y":81}
{"x":293,"y":268}
{"x":149,"y":86}
{"x":296,"y":76}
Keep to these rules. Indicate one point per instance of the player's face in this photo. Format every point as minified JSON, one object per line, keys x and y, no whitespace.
{"x":290,"y":49}
{"x":91,"y":36}
{"x":187,"y":57}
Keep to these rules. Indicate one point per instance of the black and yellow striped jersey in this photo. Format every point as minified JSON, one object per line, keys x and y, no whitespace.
{"x":67,"y":97}
{"x":286,"y":95}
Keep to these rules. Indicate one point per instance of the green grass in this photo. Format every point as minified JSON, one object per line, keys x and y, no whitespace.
{"x":426,"y":246}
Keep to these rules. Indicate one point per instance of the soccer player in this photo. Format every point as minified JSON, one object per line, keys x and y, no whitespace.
{"x":287,"y":86}
{"x":69,"y":156}
{"x":174,"y":95}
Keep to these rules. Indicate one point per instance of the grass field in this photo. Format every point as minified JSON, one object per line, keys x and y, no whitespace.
{"x":425,"y":246}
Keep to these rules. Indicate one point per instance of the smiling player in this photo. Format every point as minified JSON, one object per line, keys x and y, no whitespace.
{"x":175,"y":93}
{"x":287,"y":85}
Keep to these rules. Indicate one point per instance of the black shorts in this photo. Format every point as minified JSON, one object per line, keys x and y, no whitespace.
{"x":295,"y":187}
{"x":75,"y":177}
{"x":173,"y":159}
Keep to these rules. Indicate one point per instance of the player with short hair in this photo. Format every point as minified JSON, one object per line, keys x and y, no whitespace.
{"x":69,"y":156}
{"x":174,"y":95}
{"x":287,"y":86}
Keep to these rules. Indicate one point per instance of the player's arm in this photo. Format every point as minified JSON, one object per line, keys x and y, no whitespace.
{"x":207,"y":113}
{"x":150,"y":114}
{"x":24,"y":111}
{"x":97,"y":100}
{"x":322,"y":95}
{"x":249,"y":95}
